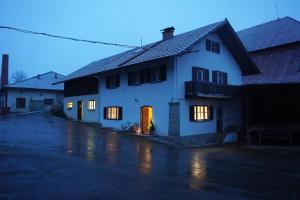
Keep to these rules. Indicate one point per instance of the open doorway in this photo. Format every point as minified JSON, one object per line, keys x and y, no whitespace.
{"x":79,"y":110}
{"x":146,"y":119}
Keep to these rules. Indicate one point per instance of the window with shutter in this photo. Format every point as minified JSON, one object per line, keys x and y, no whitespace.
{"x":113,"y":81}
{"x":200,"y":74}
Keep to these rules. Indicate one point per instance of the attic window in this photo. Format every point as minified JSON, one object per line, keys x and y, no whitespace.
{"x":213,"y":46}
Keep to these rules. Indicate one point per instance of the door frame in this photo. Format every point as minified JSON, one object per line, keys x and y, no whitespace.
{"x":142,"y":119}
{"x":79,"y":110}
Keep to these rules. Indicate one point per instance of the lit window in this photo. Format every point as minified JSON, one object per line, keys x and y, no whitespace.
{"x":92,"y":105}
{"x":114,"y":113}
{"x":200,"y":113}
{"x":70,"y":105}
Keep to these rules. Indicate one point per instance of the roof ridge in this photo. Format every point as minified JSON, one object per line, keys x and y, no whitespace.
{"x":264,"y":23}
{"x":200,"y":28}
{"x":10,"y":84}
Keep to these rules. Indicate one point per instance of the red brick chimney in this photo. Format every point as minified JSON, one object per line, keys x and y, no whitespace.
{"x":4,"y":71}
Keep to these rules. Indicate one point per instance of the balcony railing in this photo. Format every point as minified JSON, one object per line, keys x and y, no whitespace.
{"x":208,"y":89}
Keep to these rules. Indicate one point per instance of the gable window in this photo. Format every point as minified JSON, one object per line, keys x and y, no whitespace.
{"x":113,"y":81}
{"x":220,"y":78}
{"x":69,"y":105}
{"x":201,"y":113}
{"x":113,"y":113}
{"x":200,"y":74}
{"x":20,"y":102}
{"x":48,"y":101}
{"x":91,"y":105}
{"x":212,"y":46}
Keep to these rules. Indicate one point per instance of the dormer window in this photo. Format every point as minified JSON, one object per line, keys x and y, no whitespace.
{"x":213,"y":46}
{"x":113,"y":81}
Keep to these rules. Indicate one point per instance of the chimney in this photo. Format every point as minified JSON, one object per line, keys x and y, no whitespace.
{"x":167,"y":32}
{"x":4,"y":71}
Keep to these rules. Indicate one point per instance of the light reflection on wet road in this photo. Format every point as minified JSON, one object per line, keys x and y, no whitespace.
{"x":52,"y":158}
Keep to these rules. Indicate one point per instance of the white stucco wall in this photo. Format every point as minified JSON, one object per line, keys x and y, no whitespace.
{"x":88,"y":115}
{"x":158,"y":95}
{"x":132,"y":98}
{"x":211,"y":61}
{"x":36,"y":95}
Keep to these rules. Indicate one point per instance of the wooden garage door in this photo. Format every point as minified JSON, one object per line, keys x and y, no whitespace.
{"x":36,"y":105}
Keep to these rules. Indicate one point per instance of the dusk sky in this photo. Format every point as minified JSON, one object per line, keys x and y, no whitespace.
{"x":123,"y":22}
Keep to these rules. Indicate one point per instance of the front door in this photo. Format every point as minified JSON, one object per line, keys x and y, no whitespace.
{"x":146,"y":119}
{"x":79,"y":110}
{"x":219,"y":119}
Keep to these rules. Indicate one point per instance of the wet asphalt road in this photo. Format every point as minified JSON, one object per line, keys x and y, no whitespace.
{"x":47,"y":158}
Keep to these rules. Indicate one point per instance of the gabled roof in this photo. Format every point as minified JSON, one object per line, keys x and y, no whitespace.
{"x":270,"y":34}
{"x":166,"y":48}
{"x":43,"y":82}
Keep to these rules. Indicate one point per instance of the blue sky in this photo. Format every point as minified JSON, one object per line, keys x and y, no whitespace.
{"x":122,"y":22}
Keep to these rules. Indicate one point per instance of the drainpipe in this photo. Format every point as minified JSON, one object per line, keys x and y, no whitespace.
{"x":175,"y":79}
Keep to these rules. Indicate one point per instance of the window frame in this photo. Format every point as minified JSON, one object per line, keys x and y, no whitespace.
{"x":70,"y":105}
{"x":23,"y":103}
{"x":112,"y":81}
{"x":196,"y":111}
{"x":213,"y":46}
{"x":91,"y":105}
{"x":221,"y":78}
{"x":109,"y":114}
{"x":155,"y":75}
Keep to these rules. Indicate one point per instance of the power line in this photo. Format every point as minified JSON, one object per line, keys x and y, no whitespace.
{"x":90,"y":41}
{"x":67,"y":38}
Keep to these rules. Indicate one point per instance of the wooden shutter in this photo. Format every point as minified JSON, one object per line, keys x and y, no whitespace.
{"x":208,"y":45}
{"x":194,"y":73}
{"x":142,"y":76}
{"x":206,"y":75}
{"x":163,"y":72}
{"x":104,"y":113}
{"x":225,"y":78}
{"x":148,"y":74}
{"x":129,"y":78}
{"x":214,"y":76}
{"x":107,"y":81}
{"x":211,"y":112}
{"x":191,"y":113}
{"x":117,"y":80}
{"x":120,"y":113}
{"x":217,"y":47}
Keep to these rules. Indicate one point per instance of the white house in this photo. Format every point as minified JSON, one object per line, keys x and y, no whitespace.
{"x":32,"y":94}
{"x":181,"y":85}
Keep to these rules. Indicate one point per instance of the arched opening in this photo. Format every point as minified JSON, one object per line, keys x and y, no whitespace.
{"x":146,"y":119}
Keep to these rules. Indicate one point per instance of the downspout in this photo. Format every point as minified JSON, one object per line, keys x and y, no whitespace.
{"x":175,"y":79}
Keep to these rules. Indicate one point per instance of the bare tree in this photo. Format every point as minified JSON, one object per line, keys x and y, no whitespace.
{"x":18,"y":76}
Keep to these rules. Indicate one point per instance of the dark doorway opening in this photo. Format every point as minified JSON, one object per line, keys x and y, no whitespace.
{"x":79,"y":110}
